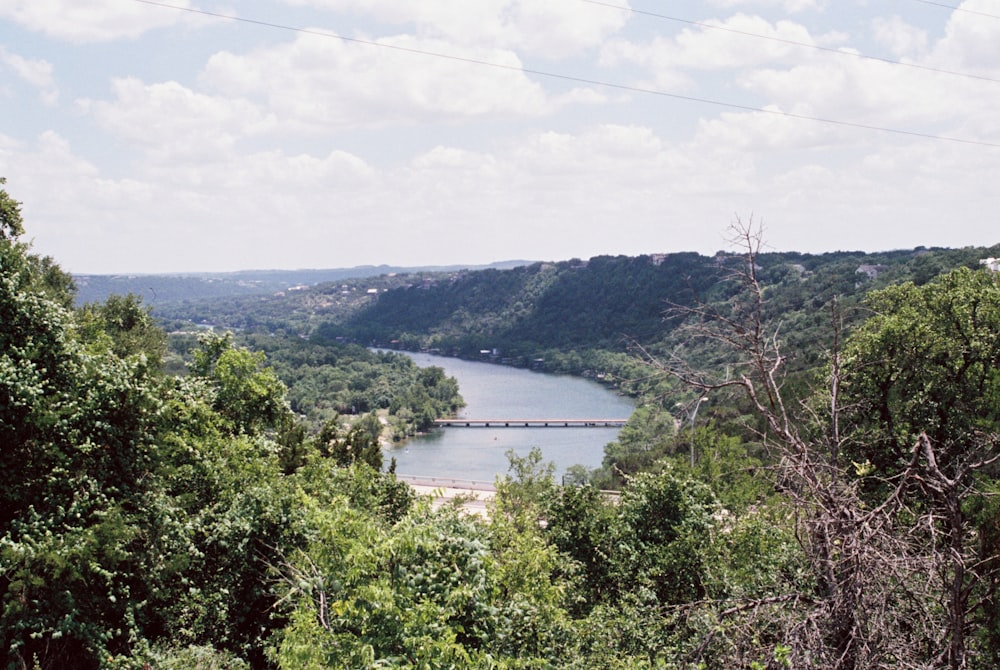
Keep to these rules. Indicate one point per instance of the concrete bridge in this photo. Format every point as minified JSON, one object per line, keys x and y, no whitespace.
{"x":530,"y":423}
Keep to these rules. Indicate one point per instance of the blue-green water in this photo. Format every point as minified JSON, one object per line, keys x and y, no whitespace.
{"x":496,"y":391}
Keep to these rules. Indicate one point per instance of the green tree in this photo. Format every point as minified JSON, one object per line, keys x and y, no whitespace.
{"x":358,"y":442}
{"x":521,"y":496}
{"x":51,"y":281}
{"x":920,"y":384}
{"x":649,"y":435}
{"x":927,"y":361}
{"x":248,"y":393}
{"x":133,"y":512}
{"x":893,"y":573}
{"x":579,"y":523}
{"x":663,"y":520}
{"x":11,"y":224}
{"x":130,"y":326}
{"x":78,"y":433}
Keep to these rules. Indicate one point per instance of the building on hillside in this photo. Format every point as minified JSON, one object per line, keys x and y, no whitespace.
{"x":871,"y":271}
{"x":991,"y":264}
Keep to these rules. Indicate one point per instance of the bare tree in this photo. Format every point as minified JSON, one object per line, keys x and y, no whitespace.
{"x":893,"y":578}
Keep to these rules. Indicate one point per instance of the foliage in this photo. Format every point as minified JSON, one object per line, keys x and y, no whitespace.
{"x":325,"y":382}
{"x":196,"y":657}
{"x":11,"y":224}
{"x":154,"y":520}
{"x":911,"y":530}
{"x":129,"y":326}
{"x":357,"y":443}
{"x":927,"y":361}
{"x":430,"y":593}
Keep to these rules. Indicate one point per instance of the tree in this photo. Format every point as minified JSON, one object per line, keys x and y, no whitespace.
{"x":51,"y":281}
{"x":247,"y":392}
{"x":926,"y":362}
{"x":130,"y":326}
{"x":11,"y":224}
{"x":356,"y":443}
{"x":925,"y":370}
{"x":649,"y":435}
{"x":882,"y":563}
{"x":78,"y":428}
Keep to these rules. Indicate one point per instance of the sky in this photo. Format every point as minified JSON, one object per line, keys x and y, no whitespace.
{"x":166,"y":136}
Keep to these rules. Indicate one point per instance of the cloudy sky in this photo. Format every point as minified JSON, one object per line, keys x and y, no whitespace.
{"x":195,"y":135}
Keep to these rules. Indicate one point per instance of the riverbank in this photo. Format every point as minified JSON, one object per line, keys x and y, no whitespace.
{"x":494,"y":390}
{"x":603,"y":367}
{"x":472,"y":497}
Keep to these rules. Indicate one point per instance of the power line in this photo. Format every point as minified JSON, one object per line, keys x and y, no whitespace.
{"x":807,"y":45}
{"x":958,"y":9}
{"x":580,"y":80}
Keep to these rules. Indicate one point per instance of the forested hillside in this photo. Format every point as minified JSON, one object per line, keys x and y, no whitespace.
{"x":608,"y":303}
{"x":848,"y":520}
{"x":160,"y":290}
{"x":551,"y":310}
{"x":588,"y":304}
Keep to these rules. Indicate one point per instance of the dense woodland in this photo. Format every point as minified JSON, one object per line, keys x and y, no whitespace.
{"x":833,"y":507}
{"x":161,"y":290}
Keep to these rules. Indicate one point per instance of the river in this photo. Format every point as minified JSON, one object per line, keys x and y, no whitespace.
{"x":498,"y":391}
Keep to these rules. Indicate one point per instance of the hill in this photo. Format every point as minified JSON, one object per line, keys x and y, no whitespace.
{"x":151,"y":520}
{"x":165,"y":289}
{"x":609,"y":303}
{"x":569,"y":316}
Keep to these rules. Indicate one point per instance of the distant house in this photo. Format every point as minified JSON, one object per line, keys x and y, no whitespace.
{"x":799,"y":270}
{"x":991,"y":264}
{"x":871,"y":271}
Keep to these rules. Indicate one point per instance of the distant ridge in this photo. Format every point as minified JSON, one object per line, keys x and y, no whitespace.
{"x":167,"y":288}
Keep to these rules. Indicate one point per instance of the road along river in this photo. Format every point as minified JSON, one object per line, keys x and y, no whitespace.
{"x":497,"y":392}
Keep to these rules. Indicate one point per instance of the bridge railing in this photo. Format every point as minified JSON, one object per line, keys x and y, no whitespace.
{"x":530,"y":423}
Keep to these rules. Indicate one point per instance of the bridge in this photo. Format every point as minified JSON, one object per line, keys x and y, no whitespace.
{"x":530,"y":423}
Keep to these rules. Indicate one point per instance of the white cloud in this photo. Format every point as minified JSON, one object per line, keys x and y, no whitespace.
{"x":93,"y":20}
{"x":718,"y":45}
{"x":552,"y":29}
{"x":901,"y":38}
{"x":322,"y":83}
{"x":564,"y":192}
{"x":919,"y":193}
{"x":168,"y":120}
{"x":971,"y":42}
{"x":609,"y":188}
{"x":68,"y":206}
{"x":289,"y":149}
{"x":819,"y":84}
{"x":36,"y":73}
{"x":764,"y":131}
{"x":251,"y":209}
{"x":874,"y":93}
{"x":791,"y":6}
